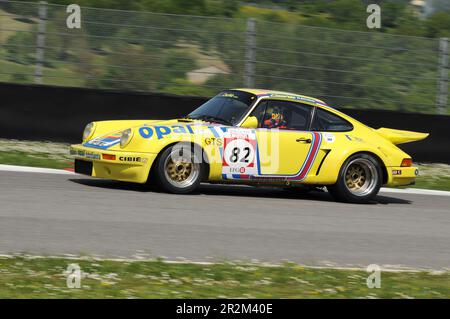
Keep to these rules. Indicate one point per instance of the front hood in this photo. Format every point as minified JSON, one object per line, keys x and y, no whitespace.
{"x":147,"y":131}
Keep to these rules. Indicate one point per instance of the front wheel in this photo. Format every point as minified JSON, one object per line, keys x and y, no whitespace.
{"x":359,"y":180}
{"x":179,"y":169}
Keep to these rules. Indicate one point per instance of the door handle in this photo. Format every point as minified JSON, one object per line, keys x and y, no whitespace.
{"x":304,"y":140}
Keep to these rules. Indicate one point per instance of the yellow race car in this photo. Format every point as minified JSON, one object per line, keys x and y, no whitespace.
{"x":254,"y":137}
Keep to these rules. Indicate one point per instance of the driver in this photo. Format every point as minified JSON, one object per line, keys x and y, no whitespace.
{"x":274,"y":119}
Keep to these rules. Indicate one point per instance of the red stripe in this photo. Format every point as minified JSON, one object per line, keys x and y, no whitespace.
{"x":310,"y":158}
{"x":312,"y":155}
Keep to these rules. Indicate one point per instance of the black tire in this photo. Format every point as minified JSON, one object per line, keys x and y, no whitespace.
{"x":359,"y":180}
{"x":167,"y":174}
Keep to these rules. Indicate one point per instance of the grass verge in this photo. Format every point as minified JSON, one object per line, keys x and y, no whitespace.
{"x":28,"y":277}
{"x":36,"y":154}
{"x":56,"y":155}
{"x":433,"y":176}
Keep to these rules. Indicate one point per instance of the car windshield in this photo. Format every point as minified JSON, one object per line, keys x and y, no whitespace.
{"x":228,"y":107}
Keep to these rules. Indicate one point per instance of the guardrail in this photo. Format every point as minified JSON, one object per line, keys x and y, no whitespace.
{"x":143,"y":51}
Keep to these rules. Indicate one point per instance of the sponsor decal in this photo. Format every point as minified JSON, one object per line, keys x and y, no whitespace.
{"x":397,"y":172}
{"x":229,"y":94}
{"x":76,"y":152}
{"x":292,"y":97}
{"x":92,"y":155}
{"x":146,"y":132}
{"x":161,"y":131}
{"x":239,"y":159}
{"x":86,"y":154}
{"x":104,"y":142}
{"x":135,"y":159}
{"x":213,"y":141}
{"x":329,"y":137}
{"x":353,"y":138}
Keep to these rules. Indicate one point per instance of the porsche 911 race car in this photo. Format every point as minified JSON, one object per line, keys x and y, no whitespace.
{"x":253,"y":137}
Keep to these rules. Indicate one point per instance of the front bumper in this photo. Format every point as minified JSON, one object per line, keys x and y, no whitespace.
{"x":402,"y":176}
{"x":116,"y":165}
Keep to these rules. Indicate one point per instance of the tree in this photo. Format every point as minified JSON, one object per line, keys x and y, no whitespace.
{"x":438,"y":25}
{"x":20,"y":48}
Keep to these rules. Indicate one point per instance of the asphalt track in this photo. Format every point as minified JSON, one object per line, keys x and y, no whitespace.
{"x":72,"y":214}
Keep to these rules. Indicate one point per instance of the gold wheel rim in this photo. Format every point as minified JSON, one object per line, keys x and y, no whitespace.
{"x":179,"y":170}
{"x":361,"y":177}
{"x":355,"y":177}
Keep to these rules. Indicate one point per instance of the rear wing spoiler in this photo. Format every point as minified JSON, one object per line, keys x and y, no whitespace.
{"x":400,"y":136}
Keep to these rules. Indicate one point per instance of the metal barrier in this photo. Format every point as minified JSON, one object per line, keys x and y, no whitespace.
{"x":196,"y":55}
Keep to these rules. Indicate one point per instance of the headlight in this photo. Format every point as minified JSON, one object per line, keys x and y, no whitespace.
{"x":88,"y":131}
{"x":126,"y":137}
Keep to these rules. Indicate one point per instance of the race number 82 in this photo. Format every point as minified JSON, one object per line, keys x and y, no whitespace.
{"x":239,"y":152}
{"x":235,"y":156}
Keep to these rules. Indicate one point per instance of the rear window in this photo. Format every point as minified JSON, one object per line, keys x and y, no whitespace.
{"x":329,"y":122}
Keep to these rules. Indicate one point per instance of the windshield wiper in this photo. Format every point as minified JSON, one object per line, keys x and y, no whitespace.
{"x":211,"y":118}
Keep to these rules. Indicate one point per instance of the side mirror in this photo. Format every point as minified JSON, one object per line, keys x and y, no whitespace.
{"x":250,"y":122}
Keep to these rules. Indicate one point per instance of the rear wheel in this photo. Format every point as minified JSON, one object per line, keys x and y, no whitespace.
{"x":359,"y":180}
{"x":179,"y":169}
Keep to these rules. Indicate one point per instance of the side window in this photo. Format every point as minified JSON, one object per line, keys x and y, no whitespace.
{"x":327,"y":121}
{"x":286,"y":115}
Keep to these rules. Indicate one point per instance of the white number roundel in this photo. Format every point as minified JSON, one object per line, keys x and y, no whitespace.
{"x":239,"y":152}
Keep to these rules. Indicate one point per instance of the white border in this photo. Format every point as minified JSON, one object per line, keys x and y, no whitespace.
{"x":27,"y":169}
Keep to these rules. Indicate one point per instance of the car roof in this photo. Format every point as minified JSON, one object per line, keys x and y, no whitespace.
{"x":283,"y":95}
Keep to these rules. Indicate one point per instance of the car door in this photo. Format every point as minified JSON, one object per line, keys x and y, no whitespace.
{"x":284,"y":143}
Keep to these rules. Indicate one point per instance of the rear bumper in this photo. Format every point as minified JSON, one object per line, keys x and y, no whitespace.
{"x":402,"y":176}
{"x":116,"y":165}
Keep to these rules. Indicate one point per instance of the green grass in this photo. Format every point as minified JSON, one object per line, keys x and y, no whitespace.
{"x":37,"y":154}
{"x":433,"y":176}
{"x":35,"y":160}
{"x":27,"y":277}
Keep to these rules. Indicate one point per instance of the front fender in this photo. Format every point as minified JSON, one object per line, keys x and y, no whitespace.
{"x":155,"y":138}
{"x":104,"y":127}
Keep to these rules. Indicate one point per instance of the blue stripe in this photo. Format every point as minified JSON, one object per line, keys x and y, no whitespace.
{"x":308,"y":155}
{"x":257,"y":157}
{"x":213,"y":130}
{"x":315,"y":155}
